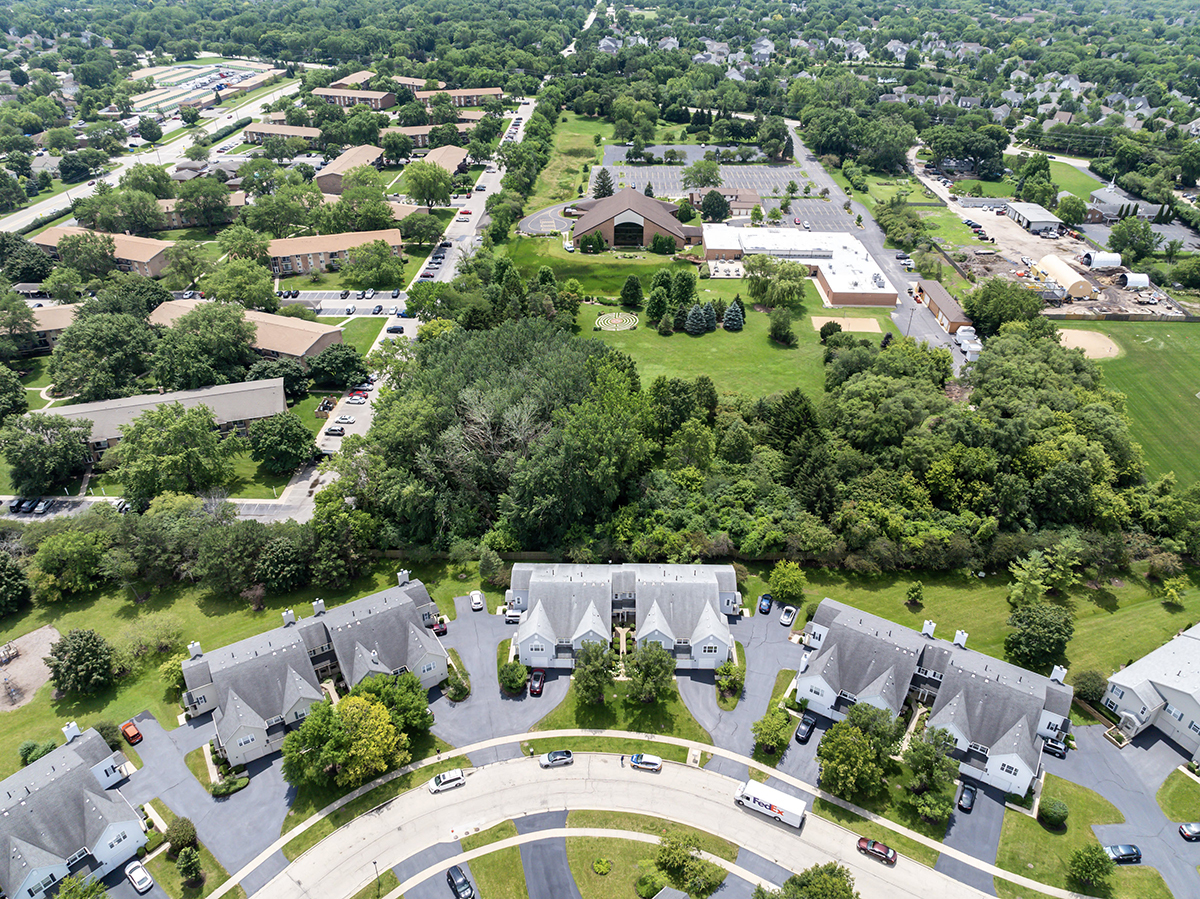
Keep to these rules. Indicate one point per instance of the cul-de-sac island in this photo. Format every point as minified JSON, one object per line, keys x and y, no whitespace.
{"x":564,"y":450}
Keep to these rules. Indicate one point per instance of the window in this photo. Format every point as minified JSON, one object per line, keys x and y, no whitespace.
{"x":1008,"y":769}
{"x":711,"y":649}
{"x":976,"y":747}
{"x":1194,"y":727}
{"x":845,"y":695}
{"x":1173,"y":712}
{"x":246,"y":740}
{"x":119,"y":838}
{"x":1117,"y":692}
{"x":816,"y":691}
{"x":427,"y":667}
{"x":1052,"y":726}
{"x":1112,"y":705}
{"x":537,"y":647}
{"x":77,"y":856}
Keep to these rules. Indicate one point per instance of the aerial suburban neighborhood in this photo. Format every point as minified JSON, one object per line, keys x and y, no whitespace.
{"x":588,"y":451}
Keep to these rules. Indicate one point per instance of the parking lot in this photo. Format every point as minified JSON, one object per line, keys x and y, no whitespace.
{"x":667,"y":180}
{"x":331,"y":302}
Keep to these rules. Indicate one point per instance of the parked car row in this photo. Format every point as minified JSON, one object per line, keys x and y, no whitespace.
{"x":23,"y":506}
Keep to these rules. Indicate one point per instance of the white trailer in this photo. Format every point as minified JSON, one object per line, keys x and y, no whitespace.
{"x":771,"y":802}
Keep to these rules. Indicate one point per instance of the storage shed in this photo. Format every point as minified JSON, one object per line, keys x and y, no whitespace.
{"x":1098,"y":259}
{"x":1133,"y":280}
{"x":1056,"y":269}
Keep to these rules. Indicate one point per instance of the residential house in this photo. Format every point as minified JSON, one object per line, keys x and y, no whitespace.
{"x":329,"y":179}
{"x":668,"y":43}
{"x":233,"y":406}
{"x":733,"y":74}
{"x":631,"y":219}
{"x":64,"y":815}
{"x":999,"y":714}
{"x":897,"y":48}
{"x":682,"y":607}
{"x":610,"y":45}
{"x":315,"y":252}
{"x":1001,"y":112}
{"x":141,"y":255}
{"x":276,"y":336}
{"x":1161,"y":690}
{"x":857,"y":51}
{"x":260,"y":687}
{"x":257,"y":132}
{"x":471,"y":96}
{"x":969,"y":102}
{"x":377,"y":100}
{"x":762,"y":50}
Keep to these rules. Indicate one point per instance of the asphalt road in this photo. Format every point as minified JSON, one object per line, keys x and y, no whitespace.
{"x":417,"y":820}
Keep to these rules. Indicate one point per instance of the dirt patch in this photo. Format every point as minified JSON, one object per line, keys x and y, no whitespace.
{"x":867,"y":325}
{"x":1093,"y":344}
{"x":26,"y":673}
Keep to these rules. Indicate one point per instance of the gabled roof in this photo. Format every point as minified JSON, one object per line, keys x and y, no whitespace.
{"x":655,"y":622}
{"x":590,"y":622}
{"x":628,"y":200}
{"x":1174,"y":666}
{"x":535,"y":623}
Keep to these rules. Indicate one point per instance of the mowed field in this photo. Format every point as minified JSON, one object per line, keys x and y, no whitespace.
{"x":1159,"y":373}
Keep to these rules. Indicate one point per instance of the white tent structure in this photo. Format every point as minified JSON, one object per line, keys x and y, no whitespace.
{"x":1054,"y":268}
{"x":1102,"y":260}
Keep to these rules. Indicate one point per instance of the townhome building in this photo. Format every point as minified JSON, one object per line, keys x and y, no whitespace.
{"x":1161,"y":690}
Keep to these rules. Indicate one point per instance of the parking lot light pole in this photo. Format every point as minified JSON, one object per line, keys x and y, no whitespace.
{"x":376,"y":864}
{"x":911,"y":313}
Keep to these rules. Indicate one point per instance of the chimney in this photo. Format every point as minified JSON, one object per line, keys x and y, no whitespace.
{"x":289,"y":617}
{"x":318,"y":607}
{"x":194,"y":649}
{"x":71,"y":731}
{"x":927,"y":629}
{"x":1059,"y":674}
{"x":403,"y":576}
{"x":960,"y":639}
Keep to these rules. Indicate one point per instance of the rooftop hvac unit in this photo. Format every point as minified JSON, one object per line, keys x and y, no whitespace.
{"x":878,"y":279}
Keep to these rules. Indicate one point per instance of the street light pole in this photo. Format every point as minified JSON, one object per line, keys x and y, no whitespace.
{"x":911,"y":313}
{"x":376,"y":864}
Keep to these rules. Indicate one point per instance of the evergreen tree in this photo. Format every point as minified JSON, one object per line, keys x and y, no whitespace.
{"x":666,"y":325}
{"x":604,"y":185}
{"x":735,"y":319}
{"x":649,"y":191}
{"x":714,"y":207}
{"x":631,"y":291}
{"x":656,"y":308}
{"x":737,"y":301}
{"x":710,"y":317}
{"x":683,"y":289}
{"x":694,"y":323}
{"x":662,"y":278}
{"x":680,"y":319}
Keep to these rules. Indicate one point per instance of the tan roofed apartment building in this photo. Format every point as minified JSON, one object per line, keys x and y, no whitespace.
{"x":329,"y":179}
{"x":471,"y":96}
{"x":375,"y":99}
{"x":300,"y":255}
{"x":141,"y":255}
{"x":258,"y":132}
{"x":275,"y":337}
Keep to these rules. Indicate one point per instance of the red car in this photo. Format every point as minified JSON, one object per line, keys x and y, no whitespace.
{"x":130,"y":731}
{"x":877,"y":850}
{"x":439,"y":628}
{"x":797,"y":221}
{"x":537,"y":680}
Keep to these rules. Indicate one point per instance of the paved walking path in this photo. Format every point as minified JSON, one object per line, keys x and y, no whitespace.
{"x":714,"y":823}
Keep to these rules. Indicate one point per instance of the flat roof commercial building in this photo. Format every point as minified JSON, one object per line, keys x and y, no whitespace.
{"x":141,"y":255}
{"x":845,"y":272}
{"x":943,"y":306}
{"x":1033,"y":217}
{"x":233,"y":407}
{"x":329,"y":179}
{"x":377,"y":100}
{"x":298,"y":255}
{"x":275,"y":337}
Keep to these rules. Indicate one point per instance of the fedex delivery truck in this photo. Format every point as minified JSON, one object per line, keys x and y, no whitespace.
{"x":771,"y":802}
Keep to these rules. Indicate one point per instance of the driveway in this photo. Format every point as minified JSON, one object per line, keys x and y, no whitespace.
{"x":488,"y":713}
{"x":1129,"y":778}
{"x":977,"y":834}
{"x":235,"y":828}
{"x":736,"y":888}
{"x":548,"y":220}
{"x":767,"y":652}
{"x":547,"y":872}
{"x":434,"y":887}
{"x":118,"y":887}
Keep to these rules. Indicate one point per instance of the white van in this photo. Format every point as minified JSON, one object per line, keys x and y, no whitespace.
{"x":512,"y":616}
{"x":771,"y":802}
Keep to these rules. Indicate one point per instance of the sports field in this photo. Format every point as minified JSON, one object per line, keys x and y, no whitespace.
{"x":1158,"y":370}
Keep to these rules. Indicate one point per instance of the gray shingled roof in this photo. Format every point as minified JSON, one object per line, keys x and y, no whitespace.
{"x":55,"y":806}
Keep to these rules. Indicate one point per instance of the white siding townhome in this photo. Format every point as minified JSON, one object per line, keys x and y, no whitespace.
{"x":682,"y":607}
{"x":62,"y":815}
{"x":998,"y":713}
{"x":1161,"y":690}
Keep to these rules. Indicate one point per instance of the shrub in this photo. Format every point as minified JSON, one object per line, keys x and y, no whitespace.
{"x":31,"y":750}
{"x":110,"y":732}
{"x":181,"y":834}
{"x":828,"y":329}
{"x":512,"y":677}
{"x":188,"y":864}
{"x":229,"y":786}
{"x":602,"y":866}
{"x":1090,"y":686}
{"x":651,"y":884}
{"x":730,"y":678}
{"x":457,"y":689}
{"x":1053,"y":813}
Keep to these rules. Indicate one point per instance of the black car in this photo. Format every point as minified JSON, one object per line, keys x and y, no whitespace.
{"x":807,"y":725}
{"x":459,"y":885}
{"x":395,"y":329}
{"x":444,"y":243}
{"x":1124,"y":854}
{"x":345,"y":294}
{"x":1055,"y":747}
{"x":376,"y":309}
{"x":966,"y":801}
{"x":14,"y":504}
{"x":395,"y":293}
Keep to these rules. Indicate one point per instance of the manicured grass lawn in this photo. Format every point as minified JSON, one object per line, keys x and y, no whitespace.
{"x":611,"y":745}
{"x":361,"y":332}
{"x":618,"y":712}
{"x":574,"y":147}
{"x":162,"y":869}
{"x":649,"y":824}
{"x":212,"y":619}
{"x":864,"y":828}
{"x":306,"y":409}
{"x":37,"y":371}
{"x":1179,"y":797}
{"x":772,"y":759}
{"x":502,"y":831}
{"x":630,"y":861}
{"x":387,"y":882}
{"x":196,"y":764}
{"x":1159,"y":373}
{"x":988,"y":188}
{"x":301,"y":843}
{"x":1073,"y":179}
{"x":746,"y":362}
{"x":250,"y":481}
{"x":500,"y":874}
{"x":601,"y":274}
{"x":1006,"y":889}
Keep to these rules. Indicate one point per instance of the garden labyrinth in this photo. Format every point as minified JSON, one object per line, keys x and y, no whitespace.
{"x":617,"y":321}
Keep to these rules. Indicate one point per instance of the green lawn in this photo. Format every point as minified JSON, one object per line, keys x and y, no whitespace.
{"x":387,"y":882}
{"x":162,"y":869}
{"x":611,"y":745}
{"x":1006,"y":889}
{"x":250,"y":481}
{"x":658,"y":827}
{"x":502,"y":831}
{"x":1159,"y":373}
{"x":212,"y":619}
{"x":1073,"y":179}
{"x":307,"y":407}
{"x":197,"y":765}
{"x":618,"y":712}
{"x":500,"y":874}
{"x":602,"y":274}
{"x":746,"y":362}
{"x":772,"y":759}
{"x":1028,"y":848}
{"x":630,"y":860}
{"x":34,"y":371}
{"x":1179,"y":797}
{"x":361,"y":332}
{"x":988,"y":188}
{"x":729,"y":703}
{"x":574,"y":147}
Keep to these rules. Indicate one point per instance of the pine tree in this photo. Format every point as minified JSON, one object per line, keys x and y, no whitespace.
{"x":604,"y":185}
{"x":737,"y":301}
{"x":631,"y":292}
{"x":694,"y":323}
{"x":735,"y":318}
{"x":662,"y":278}
{"x":649,"y":191}
{"x":710,"y":317}
{"x":680,"y":317}
{"x":683,"y":289}
{"x":656,"y":308}
{"x":666,"y":325}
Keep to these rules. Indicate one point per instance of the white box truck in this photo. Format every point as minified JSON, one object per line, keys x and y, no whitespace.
{"x":771,"y":802}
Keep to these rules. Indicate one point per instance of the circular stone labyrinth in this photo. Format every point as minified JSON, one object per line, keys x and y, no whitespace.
{"x":617,"y":321}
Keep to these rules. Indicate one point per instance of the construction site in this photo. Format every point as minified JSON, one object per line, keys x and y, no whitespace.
{"x":1089,"y":285}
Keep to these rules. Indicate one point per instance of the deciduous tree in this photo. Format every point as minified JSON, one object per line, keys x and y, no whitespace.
{"x":81,"y":662}
{"x":650,"y":669}
{"x":243,"y":282}
{"x":282,"y":443}
{"x":44,"y":451}
{"x":211,"y":344}
{"x":593,"y":672}
{"x":374,"y":265}
{"x":428,"y":183}
{"x":1040,"y":634}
